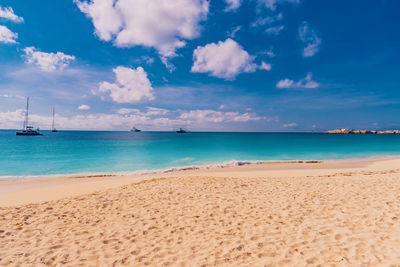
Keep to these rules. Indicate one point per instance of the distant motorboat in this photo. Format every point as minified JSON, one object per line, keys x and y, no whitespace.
{"x":53,"y":127}
{"x":26,"y":129}
{"x":181,"y":131}
{"x":136,"y":130}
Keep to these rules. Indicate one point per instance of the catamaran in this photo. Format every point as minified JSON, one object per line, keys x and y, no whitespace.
{"x":53,"y":127}
{"x":136,"y":130}
{"x":26,"y":129}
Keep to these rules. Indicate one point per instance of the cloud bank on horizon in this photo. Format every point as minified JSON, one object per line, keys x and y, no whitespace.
{"x":160,"y":64}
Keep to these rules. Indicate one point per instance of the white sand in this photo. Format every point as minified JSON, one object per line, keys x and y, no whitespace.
{"x":334,"y":213}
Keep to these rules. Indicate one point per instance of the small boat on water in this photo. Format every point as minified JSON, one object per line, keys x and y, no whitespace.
{"x":26,"y":129}
{"x":136,"y":130}
{"x":53,"y":127}
{"x":181,"y":131}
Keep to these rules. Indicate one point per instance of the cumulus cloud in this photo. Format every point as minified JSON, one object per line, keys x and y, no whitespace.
{"x":219,"y":116}
{"x":232,"y":4}
{"x":305,"y":83}
{"x":8,"y":13}
{"x":272,"y":4}
{"x":131,"y":86}
{"x":223,"y":60}
{"x":7,"y":36}
{"x":83,"y":107}
{"x":47,"y":61}
{"x":162,"y":24}
{"x":310,"y":39}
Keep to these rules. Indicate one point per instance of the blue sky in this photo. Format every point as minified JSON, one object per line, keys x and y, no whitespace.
{"x":218,"y":65}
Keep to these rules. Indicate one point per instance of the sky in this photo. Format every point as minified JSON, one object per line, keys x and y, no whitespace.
{"x":216,"y":65}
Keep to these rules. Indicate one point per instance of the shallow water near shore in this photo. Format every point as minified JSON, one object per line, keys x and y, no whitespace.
{"x":73,"y":152}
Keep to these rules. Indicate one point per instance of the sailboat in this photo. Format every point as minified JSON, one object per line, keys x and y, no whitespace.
{"x":53,"y":127}
{"x":136,"y":130}
{"x":26,"y":129}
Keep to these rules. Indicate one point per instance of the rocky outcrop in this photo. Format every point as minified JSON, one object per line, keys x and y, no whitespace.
{"x":347,"y":131}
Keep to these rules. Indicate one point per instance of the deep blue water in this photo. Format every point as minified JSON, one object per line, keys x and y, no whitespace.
{"x":71,"y":152}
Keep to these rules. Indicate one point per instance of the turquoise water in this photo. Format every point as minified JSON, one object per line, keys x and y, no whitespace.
{"x":72,"y":152}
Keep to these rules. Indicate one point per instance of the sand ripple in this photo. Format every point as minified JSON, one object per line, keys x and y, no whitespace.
{"x":340,"y":220}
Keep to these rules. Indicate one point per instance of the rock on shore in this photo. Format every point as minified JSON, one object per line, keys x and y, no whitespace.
{"x":348,"y":131}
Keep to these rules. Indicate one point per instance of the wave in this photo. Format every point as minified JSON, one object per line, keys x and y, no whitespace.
{"x":226,"y":164}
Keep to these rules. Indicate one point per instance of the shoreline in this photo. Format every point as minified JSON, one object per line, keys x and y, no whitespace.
{"x":205,"y":166}
{"x":47,"y":188}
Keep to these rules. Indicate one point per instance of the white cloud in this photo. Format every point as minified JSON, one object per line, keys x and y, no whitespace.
{"x":201,"y":116}
{"x":267,"y":20}
{"x":271,"y":4}
{"x":265,"y":66}
{"x":286,"y":83}
{"x":223,"y":60}
{"x":233,"y":32}
{"x":144,"y":60}
{"x":8,"y":13}
{"x":105,"y":17}
{"x":7,"y":36}
{"x":124,"y":119}
{"x":287,"y":125}
{"x":275,"y":30}
{"x":47,"y":61}
{"x":162,"y":24}
{"x":131,"y":86}
{"x":83,"y":107}
{"x":124,"y":111}
{"x":148,"y":60}
{"x":97,"y":121}
{"x":270,"y":53}
{"x":232,"y":4}
{"x":305,"y":83}
{"x":310,"y":39}
{"x":151,"y":111}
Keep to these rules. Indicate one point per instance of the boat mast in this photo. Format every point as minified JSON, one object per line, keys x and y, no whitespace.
{"x":26,"y":114}
{"x":52,"y":126}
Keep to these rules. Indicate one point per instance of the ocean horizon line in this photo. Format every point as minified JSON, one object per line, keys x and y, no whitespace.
{"x":190,"y":131}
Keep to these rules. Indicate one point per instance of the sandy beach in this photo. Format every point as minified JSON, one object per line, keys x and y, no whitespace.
{"x":333,"y":213}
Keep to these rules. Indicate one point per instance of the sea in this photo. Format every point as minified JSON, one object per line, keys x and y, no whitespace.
{"x":107,"y":152}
